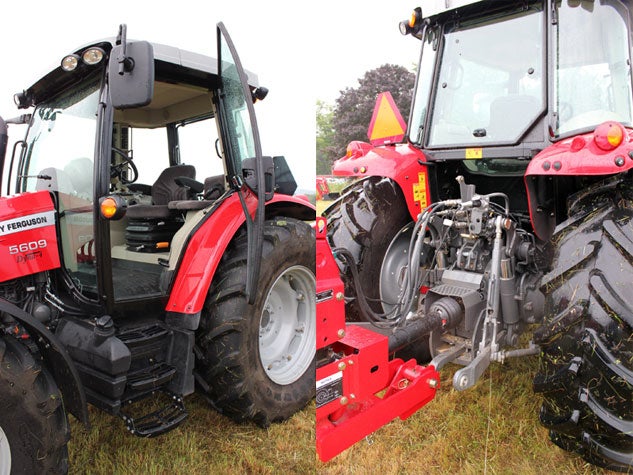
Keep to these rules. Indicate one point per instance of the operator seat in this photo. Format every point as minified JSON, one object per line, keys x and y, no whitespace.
{"x":212,"y":189}
{"x":509,"y":115}
{"x":151,"y":228}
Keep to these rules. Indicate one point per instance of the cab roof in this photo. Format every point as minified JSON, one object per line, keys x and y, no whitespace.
{"x":173,"y":65}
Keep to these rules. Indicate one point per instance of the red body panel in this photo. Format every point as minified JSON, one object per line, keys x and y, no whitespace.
{"x":322,"y":188}
{"x":207,"y":246}
{"x":580,"y":156}
{"x":347,"y":406}
{"x":28,"y":237}
{"x":575,"y":156}
{"x":401,"y":163}
{"x":329,"y":292}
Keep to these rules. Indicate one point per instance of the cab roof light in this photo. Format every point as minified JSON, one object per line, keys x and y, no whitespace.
{"x":414,"y":23}
{"x":259,"y":93}
{"x":70,"y":62}
{"x":91,"y":56}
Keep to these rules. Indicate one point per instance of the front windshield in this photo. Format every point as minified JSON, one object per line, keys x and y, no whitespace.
{"x":490,"y":86}
{"x":59,"y":158}
{"x":61,"y":143}
{"x":593,"y":72}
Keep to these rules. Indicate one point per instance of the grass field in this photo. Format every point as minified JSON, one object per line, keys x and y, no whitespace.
{"x":492,"y":428}
{"x":207,"y":443}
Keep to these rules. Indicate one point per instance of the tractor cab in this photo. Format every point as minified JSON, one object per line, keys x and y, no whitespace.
{"x":143,"y":222}
{"x":138,"y":143}
{"x":499,"y":82}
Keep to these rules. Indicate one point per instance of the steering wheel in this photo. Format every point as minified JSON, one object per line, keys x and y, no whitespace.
{"x":119,"y":169}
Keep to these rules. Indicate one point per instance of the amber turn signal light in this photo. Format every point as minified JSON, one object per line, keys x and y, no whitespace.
{"x":112,"y":207}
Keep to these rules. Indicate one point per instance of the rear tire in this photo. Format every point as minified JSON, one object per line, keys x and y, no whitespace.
{"x":586,"y":365}
{"x":257,"y":362}
{"x":365,"y":221}
{"x":368,"y":221}
{"x":34,"y":428}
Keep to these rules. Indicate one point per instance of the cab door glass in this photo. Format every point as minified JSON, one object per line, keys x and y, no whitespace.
{"x":236,"y":108}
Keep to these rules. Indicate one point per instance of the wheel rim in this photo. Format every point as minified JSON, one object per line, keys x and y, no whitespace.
{"x":5,"y":454}
{"x":393,"y":266}
{"x":287,"y":328}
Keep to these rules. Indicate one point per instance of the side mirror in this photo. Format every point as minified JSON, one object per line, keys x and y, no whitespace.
{"x":131,"y":73}
{"x":284,"y":180}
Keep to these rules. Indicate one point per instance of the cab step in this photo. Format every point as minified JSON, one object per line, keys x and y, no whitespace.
{"x":150,"y":378}
{"x":157,"y":422}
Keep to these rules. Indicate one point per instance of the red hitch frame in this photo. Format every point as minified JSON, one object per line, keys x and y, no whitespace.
{"x":358,"y":389}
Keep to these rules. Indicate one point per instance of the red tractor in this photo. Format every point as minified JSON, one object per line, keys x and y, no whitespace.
{"x":506,"y":210}
{"x":125,"y":278}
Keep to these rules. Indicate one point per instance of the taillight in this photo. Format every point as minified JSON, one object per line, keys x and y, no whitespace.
{"x":609,"y":135}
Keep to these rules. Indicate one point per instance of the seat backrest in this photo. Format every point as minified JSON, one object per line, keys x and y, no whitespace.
{"x":509,"y":115}
{"x":213,"y":187}
{"x":165,"y":188}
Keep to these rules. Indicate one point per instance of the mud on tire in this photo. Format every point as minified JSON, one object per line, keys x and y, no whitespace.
{"x":33,"y":424}
{"x":586,"y":364}
{"x":235,"y":368}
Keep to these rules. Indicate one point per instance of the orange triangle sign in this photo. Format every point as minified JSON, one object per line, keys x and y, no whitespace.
{"x":387,"y":125}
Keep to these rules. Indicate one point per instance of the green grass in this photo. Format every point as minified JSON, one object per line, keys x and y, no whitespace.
{"x":206,"y":443}
{"x":321,"y":205}
{"x":492,"y":428}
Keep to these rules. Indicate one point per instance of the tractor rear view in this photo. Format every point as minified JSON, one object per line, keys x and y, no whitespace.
{"x":508,"y":209}
{"x":148,"y":248}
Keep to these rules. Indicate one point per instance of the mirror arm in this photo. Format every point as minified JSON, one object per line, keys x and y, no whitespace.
{"x":126,"y":64}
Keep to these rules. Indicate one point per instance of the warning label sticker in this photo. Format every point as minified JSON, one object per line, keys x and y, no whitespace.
{"x":329,"y":389}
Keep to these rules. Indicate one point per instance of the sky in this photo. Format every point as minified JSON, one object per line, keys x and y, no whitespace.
{"x":301,"y":52}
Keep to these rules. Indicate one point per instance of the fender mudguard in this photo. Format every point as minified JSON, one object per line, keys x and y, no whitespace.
{"x":402,"y":163}
{"x":56,"y":359}
{"x":208,"y":242}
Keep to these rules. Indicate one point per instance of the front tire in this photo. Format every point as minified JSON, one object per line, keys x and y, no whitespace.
{"x":34,"y":428}
{"x":257,"y":362}
{"x":586,"y":365}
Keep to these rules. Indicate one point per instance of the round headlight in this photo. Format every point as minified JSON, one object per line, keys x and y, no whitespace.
{"x":70,"y":62}
{"x":92,"y":56}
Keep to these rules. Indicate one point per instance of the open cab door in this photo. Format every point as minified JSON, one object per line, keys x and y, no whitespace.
{"x":242,"y":147}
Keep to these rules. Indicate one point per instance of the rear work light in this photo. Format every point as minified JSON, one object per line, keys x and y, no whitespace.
{"x":609,"y":135}
{"x":413,"y":24}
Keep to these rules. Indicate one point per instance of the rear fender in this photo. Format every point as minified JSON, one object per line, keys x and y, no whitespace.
{"x":575,"y":156}
{"x":209,"y":241}
{"x":56,"y":359}
{"x":402,"y":163}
